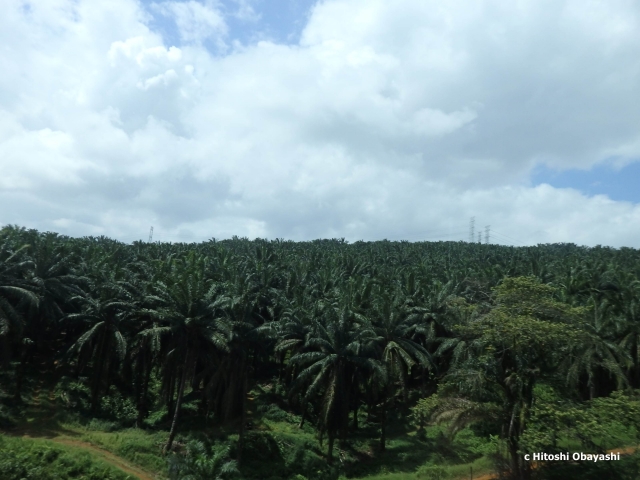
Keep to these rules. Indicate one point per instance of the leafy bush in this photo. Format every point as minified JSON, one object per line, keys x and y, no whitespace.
{"x":74,"y":393}
{"x":433,"y":472}
{"x":155,"y":418}
{"x":201,"y":462}
{"x":97,"y":425}
{"x":6,"y":419}
{"x":118,"y":407}
{"x":276,"y":414}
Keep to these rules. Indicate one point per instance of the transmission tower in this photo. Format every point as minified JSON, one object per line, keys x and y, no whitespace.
{"x":486,"y":233}
{"x":472,"y":223}
{"x":479,"y":237}
{"x":150,"y":234}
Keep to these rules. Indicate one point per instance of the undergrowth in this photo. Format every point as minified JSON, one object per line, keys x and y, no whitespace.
{"x":36,"y":460}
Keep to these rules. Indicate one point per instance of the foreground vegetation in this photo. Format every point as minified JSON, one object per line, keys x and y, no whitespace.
{"x":36,"y":460}
{"x":283,"y":360}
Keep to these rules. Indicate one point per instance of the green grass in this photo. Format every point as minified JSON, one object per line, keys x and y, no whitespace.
{"x":479,"y":467}
{"x":137,"y":446}
{"x":33,"y":459}
{"x":276,"y":448}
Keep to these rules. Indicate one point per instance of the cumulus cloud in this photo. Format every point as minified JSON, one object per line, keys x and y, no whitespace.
{"x":385,"y":121}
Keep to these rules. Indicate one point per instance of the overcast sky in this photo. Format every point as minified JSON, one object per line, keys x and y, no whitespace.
{"x":295,"y":119}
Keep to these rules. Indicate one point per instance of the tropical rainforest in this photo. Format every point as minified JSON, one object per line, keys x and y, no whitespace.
{"x":325,"y":359}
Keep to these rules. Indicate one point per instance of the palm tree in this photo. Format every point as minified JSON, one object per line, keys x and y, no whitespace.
{"x":144,"y":340}
{"x":248,"y":299}
{"x":54,"y":281}
{"x":202,"y":463}
{"x":187,"y":322}
{"x":341,"y":344}
{"x":16,"y":298}
{"x":103,"y":342}
{"x":597,"y":353}
{"x":394,"y":327}
{"x":629,"y":310}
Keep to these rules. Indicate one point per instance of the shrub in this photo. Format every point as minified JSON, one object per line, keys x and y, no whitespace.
{"x":201,"y":462}
{"x":74,"y":393}
{"x":119,"y":408}
{"x":276,"y":414}
{"x":97,"y":425}
{"x":6,"y":419}
{"x":433,"y":472}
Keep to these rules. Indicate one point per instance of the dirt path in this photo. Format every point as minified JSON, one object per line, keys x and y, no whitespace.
{"x":65,"y":438}
{"x":41,"y":428}
{"x":100,"y":453}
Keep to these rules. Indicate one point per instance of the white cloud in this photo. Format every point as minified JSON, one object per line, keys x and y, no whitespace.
{"x":387,"y":120}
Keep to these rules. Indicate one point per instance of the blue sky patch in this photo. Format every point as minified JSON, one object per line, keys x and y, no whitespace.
{"x":618,"y":184}
{"x":279,"y":21}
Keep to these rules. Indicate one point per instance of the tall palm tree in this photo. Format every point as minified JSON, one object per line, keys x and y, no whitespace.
{"x":250,"y":299}
{"x":103,"y":343}
{"x":187,"y":323}
{"x":629,"y":309}
{"x":144,"y":340}
{"x":598,"y":354}
{"x":55,"y":282}
{"x":394,"y":327}
{"x":341,"y":343}
{"x":17,"y":297}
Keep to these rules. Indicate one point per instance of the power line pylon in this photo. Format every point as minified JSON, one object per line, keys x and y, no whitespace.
{"x":472,"y":223}
{"x":486,"y":233}
{"x":150,"y":234}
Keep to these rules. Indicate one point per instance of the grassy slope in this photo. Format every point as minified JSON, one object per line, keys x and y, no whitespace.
{"x":275,"y":448}
{"x":37,"y":459}
{"x":41,"y":417}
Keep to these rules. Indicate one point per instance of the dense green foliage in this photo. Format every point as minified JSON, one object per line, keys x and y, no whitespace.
{"x":22,"y":458}
{"x":318,"y":335}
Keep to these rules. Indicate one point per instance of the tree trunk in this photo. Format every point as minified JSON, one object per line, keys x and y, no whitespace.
{"x":95,"y":394}
{"x":330,"y":449}
{"x":355,"y":417}
{"x":172,"y":387}
{"x":20,"y":375}
{"x":174,"y":423}
{"x":516,"y":467}
{"x":636,"y":367}
{"x":383,"y":428}
{"x":592,"y":390}
{"x":281,"y":370}
{"x":243,"y":420}
{"x":142,"y":396}
{"x":304,"y":413}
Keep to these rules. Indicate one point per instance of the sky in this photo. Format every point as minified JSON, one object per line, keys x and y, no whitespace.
{"x":302,"y":119}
